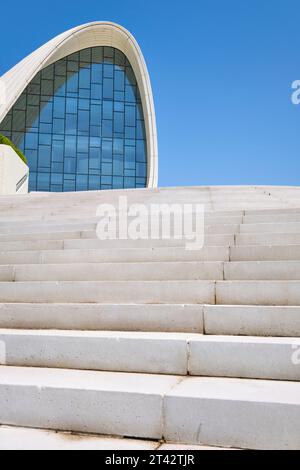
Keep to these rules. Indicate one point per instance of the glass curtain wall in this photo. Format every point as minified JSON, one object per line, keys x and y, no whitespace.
{"x":80,"y":124}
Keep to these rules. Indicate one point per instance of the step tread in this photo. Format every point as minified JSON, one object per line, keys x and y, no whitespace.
{"x":88,"y":380}
{"x":153,"y":336}
{"x":17,"y":438}
{"x":263,"y":391}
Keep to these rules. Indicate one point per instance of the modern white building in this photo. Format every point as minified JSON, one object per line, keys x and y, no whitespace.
{"x":81,"y":110}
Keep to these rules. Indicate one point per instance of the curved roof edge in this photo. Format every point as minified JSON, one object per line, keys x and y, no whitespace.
{"x":94,"y":34}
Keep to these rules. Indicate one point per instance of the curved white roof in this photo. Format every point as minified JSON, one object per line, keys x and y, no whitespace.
{"x":13,"y":83}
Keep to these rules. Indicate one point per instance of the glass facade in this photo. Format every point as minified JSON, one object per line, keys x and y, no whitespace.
{"x":80,"y":124}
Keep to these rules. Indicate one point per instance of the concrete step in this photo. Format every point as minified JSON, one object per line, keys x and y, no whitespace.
{"x":114,"y":317}
{"x":245,"y":357}
{"x":152,"y":271}
{"x":152,"y":292}
{"x":45,"y":227}
{"x":150,"y":353}
{"x":271,"y":218}
{"x":92,"y":402}
{"x":264,"y":253}
{"x":218,"y":319}
{"x":210,"y":240}
{"x":35,"y":237}
{"x":252,"y":320}
{"x":154,"y":353}
{"x":127,"y":292}
{"x":232,"y":412}
{"x":147,"y":271}
{"x":267,"y":239}
{"x":279,"y":293}
{"x":51,"y":228}
{"x":80,"y":214}
{"x":251,"y":414}
{"x":262,"y":270}
{"x":280,"y":227}
{"x":32,"y":245}
{"x":90,"y":241}
{"x":218,"y":253}
{"x":89,"y":223}
{"x":272,"y":212}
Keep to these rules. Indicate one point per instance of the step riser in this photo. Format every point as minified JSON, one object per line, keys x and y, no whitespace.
{"x":152,"y":271}
{"x":266,"y":270}
{"x":36,"y":244}
{"x":273,"y":219}
{"x":252,"y":321}
{"x":95,"y":411}
{"x":151,"y":292}
{"x":5,"y":239}
{"x":45,"y":228}
{"x":167,"y":318}
{"x":268,"y":239}
{"x":154,"y":354}
{"x":219,"y":320}
{"x":270,"y":228}
{"x":265,"y":253}
{"x":131,"y":292}
{"x":130,"y":255}
{"x":114,"y":256}
{"x":244,"y":359}
{"x":113,"y":271}
{"x":107,"y":354}
{"x":250,"y":425}
{"x":90,"y":223}
{"x":32,"y":245}
{"x":258,"y":293}
{"x":59,"y":229}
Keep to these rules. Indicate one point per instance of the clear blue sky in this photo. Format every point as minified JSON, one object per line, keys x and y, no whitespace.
{"x":221,"y":72}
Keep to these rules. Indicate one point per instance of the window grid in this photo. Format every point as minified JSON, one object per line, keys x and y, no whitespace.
{"x":80,"y":123}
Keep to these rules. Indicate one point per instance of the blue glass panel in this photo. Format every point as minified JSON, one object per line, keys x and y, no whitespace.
{"x":108,"y":88}
{"x":118,"y":123}
{"x":59,"y":107}
{"x":107,"y":128}
{"x":106,"y":169}
{"x":71,"y":124}
{"x":130,"y":115}
{"x":107,"y":109}
{"x":43,"y":181}
{"x":95,"y":115}
{"x":129,"y":182}
{"x":106,"y":150}
{"x":84,"y":78}
{"x":96,"y":71}
{"x":70,"y":165}
{"x":44,"y":156}
{"x":118,"y":182}
{"x":70,"y":146}
{"x":82,"y":164}
{"x":82,"y":183}
{"x":71,"y":105}
{"x":57,"y":151}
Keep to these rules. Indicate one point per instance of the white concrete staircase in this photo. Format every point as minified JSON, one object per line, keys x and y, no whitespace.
{"x":143,"y":339}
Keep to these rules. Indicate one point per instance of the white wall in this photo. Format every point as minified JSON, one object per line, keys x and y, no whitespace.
{"x":12,"y":171}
